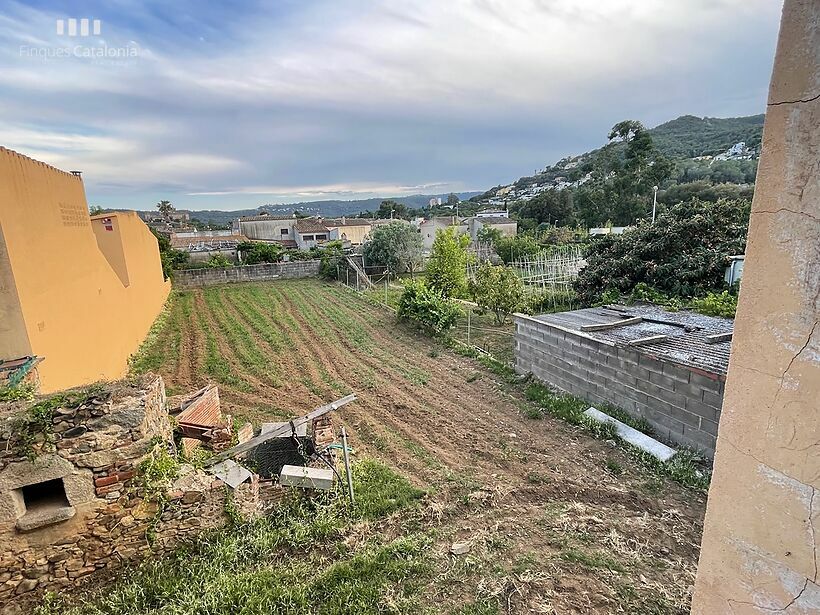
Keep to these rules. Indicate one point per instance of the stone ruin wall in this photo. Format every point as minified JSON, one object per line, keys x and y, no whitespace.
{"x":98,"y":448}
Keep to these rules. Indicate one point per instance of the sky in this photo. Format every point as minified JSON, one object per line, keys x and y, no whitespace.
{"x":234,"y":105}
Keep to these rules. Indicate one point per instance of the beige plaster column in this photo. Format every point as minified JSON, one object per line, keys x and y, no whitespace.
{"x":760,"y":543}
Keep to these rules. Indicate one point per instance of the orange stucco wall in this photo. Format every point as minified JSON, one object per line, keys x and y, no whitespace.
{"x":84,"y":296}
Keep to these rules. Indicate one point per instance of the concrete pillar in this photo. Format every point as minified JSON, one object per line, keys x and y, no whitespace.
{"x":760,"y":543}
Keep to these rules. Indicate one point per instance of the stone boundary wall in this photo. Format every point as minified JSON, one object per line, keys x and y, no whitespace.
{"x":195,"y":278}
{"x":681,"y":403}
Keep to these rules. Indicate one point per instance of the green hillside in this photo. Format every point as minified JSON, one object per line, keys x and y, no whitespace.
{"x":689,"y":136}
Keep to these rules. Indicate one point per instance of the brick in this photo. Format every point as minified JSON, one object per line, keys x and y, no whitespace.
{"x":650,"y":363}
{"x":105,"y":481}
{"x":128,"y":475}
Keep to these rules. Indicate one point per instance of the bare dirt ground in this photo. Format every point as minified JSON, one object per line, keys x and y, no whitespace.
{"x":558,"y":522}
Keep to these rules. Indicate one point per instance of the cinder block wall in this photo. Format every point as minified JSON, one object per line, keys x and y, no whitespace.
{"x":193,"y":278}
{"x":681,"y":403}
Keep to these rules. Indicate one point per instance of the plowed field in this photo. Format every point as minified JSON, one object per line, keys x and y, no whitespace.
{"x":559,"y":522}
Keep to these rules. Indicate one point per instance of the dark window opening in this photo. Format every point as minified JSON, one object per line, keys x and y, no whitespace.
{"x":321,"y":237}
{"x":283,"y":231}
{"x":48,"y":494}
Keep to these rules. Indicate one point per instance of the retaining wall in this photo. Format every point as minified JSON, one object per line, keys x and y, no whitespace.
{"x":193,"y":278}
{"x":681,"y":403}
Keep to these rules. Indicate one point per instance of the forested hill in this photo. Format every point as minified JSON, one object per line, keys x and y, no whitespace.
{"x":689,"y":136}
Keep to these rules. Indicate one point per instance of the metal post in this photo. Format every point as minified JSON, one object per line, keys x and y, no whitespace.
{"x":357,"y":280}
{"x":385,"y":289}
{"x":347,"y":468}
{"x":469,"y":311}
{"x":654,"y":202}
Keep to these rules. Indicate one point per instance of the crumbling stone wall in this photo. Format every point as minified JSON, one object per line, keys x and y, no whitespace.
{"x":761,"y":540}
{"x":106,"y":519}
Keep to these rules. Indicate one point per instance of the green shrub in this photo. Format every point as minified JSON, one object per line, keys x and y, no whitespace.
{"x":512,"y":248}
{"x":427,"y":307}
{"x":716,"y":304}
{"x":218,"y":261}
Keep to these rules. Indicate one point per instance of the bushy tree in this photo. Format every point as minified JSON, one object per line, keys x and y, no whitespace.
{"x":498,"y":289}
{"x":397,"y":246}
{"x":447,"y":267}
{"x":510,"y":249}
{"x":255,"y":252}
{"x":428,"y":307}
{"x":488,"y":234}
{"x":391,"y":209}
{"x":331,"y":257}
{"x":684,"y":253}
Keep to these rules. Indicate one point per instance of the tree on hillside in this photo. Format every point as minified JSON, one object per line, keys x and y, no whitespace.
{"x":165,"y":208}
{"x":453,"y":200}
{"x":684,"y":253}
{"x":397,"y":246}
{"x":447,"y":268}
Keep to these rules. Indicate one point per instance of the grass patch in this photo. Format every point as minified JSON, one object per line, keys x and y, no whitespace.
{"x":591,"y":560}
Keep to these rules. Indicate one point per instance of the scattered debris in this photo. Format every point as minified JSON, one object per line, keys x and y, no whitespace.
{"x":611,"y":325}
{"x":719,"y":337}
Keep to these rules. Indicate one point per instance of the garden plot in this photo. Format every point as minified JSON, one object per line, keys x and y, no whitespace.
{"x":556,"y":520}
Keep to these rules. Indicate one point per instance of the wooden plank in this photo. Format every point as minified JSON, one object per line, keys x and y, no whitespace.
{"x":652,"y":339}
{"x":719,"y":337}
{"x":280,"y":431}
{"x":612,"y":325}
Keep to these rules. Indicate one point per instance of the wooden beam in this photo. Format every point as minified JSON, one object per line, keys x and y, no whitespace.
{"x":612,"y":325}
{"x":719,"y":337}
{"x":279,"y":431}
{"x":652,"y":339}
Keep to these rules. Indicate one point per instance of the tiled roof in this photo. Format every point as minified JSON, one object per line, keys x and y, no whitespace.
{"x":258,"y":218}
{"x":347,"y":222}
{"x":310,"y":225}
{"x":494,"y":220}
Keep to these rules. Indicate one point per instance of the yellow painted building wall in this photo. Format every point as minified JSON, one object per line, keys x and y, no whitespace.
{"x":85,"y":296}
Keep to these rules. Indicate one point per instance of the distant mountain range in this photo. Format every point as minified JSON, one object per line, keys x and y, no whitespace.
{"x":328,"y":209}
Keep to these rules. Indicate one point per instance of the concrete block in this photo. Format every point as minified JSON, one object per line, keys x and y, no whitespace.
{"x":633,"y":436}
{"x":662,"y":381}
{"x":712,"y":399}
{"x":705,"y":411}
{"x":706,"y":383}
{"x":311,"y":478}
{"x":676,"y":372}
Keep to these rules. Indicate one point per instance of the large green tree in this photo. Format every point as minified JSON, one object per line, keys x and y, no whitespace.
{"x":498,"y":289}
{"x":397,"y":246}
{"x":165,"y":208}
{"x":684,"y":253}
{"x":447,"y":267}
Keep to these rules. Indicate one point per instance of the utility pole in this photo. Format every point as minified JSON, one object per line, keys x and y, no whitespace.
{"x":654,"y":202}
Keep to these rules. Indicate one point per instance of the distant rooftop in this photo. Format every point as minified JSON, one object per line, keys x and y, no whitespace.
{"x":686,"y":342}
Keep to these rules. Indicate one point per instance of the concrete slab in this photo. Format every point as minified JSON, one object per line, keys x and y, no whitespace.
{"x":300,"y":476}
{"x":646,"y":443}
{"x":230,"y":473}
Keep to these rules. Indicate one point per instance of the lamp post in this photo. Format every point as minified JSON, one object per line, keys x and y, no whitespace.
{"x":654,"y":202}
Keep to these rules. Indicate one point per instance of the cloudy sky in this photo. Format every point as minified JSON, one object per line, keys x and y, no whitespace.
{"x":228,"y":106}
